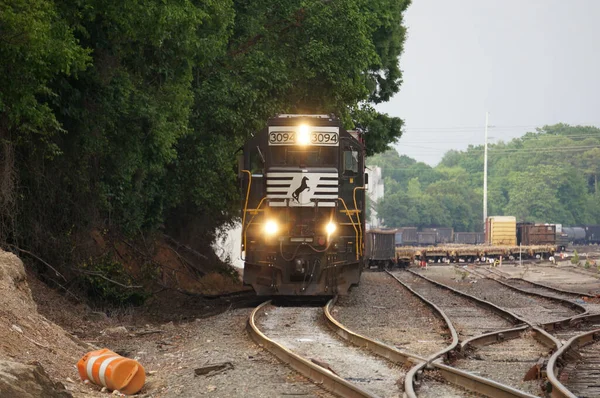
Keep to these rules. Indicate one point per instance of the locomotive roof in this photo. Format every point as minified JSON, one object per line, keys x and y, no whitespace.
{"x":313,"y":120}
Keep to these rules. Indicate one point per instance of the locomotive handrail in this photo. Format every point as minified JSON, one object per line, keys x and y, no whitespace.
{"x":243,"y":244}
{"x":354,"y":225}
{"x":357,"y":215}
{"x":244,"y":228}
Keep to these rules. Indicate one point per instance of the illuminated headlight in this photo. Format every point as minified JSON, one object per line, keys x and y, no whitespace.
{"x":303,"y":135}
{"x":271,"y":227}
{"x":330,"y":228}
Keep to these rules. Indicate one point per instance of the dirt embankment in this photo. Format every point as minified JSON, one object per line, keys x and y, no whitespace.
{"x":44,"y":333}
{"x":28,"y":338}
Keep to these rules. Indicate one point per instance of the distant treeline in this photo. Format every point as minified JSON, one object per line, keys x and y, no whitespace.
{"x":550,"y":175}
{"x":126,"y":116}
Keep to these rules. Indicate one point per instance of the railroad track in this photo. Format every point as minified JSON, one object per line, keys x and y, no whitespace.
{"x":357,"y":378}
{"x":583,"y":300}
{"x":528,"y":306}
{"x":470,"y":320}
{"x":298,"y":336}
{"x":499,"y":352}
{"x":574,"y":369}
{"x":383,"y":309}
{"x":563,"y":329}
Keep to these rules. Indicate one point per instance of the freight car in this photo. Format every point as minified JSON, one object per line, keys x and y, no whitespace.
{"x":426,"y":238}
{"x":406,"y":236}
{"x":442,"y":234}
{"x":536,"y":234}
{"x":469,"y":238}
{"x":575,"y":235}
{"x":592,"y":234}
{"x":380,"y":248}
{"x":303,"y":209}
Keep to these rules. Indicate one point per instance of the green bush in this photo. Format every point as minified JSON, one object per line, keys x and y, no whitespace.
{"x":107,"y":282}
{"x":575,"y":259}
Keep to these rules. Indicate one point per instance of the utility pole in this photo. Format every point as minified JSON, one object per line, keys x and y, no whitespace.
{"x":485,"y":174}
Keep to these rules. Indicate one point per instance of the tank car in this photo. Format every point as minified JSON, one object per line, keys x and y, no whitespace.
{"x":303,"y":179}
{"x":575,"y":235}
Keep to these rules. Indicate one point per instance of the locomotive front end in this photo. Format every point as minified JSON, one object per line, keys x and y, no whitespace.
{"x":303,"y":180}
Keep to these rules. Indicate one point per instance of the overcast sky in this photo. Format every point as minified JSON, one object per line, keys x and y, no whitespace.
{"x":527,"y":62}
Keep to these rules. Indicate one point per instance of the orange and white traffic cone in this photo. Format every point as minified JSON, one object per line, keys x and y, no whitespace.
{"x":108,"y":369}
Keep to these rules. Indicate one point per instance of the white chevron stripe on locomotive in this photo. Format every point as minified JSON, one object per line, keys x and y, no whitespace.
{"x":302,"y":189}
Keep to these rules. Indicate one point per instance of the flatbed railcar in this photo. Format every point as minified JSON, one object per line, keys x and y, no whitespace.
{"x":303,"y":179}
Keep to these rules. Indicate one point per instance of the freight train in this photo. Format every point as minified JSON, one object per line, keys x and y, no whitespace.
{"x":303,"y":225}
{"x":524,"y":233}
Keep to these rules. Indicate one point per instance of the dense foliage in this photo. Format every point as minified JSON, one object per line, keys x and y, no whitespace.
{"x":126,"y":115}
{"x":550,"y":175}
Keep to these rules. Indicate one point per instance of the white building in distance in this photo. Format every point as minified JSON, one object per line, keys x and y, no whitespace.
{"x":374,"y":193}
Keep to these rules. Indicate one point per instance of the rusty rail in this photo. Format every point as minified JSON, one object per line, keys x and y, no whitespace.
{"x":319,"y":375}
{"x":559,"y":390}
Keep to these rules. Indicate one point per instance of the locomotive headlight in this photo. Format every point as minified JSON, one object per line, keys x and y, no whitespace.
{"x":330,"y":228}
{"x":271,"y":228}
{"x":303,"y":135}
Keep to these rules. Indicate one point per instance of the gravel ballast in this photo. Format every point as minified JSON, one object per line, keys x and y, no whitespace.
{"x":507,"y":362}
{"x":303,"y":331}
{"x":383,"y":309}
{"x":468,"y":319}
{"x":534,"y":309}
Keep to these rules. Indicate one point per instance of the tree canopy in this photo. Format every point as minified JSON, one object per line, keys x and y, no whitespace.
{"x":550,"y":175}
{"x":126,"y":116}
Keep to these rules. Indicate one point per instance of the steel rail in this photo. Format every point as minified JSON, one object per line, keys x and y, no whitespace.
{"x":539,"y":284}
{"x":479,"y":384}
{"x":383,"y":350}
{"x":572,"y":304}
{"x":411,"y":376}
{"x":319,"y":375}
{"x":455,"y":376}
{"x":540,"y":334}
{"x":508,"y":315}
{"x":493,"y":337}
{"x":437,"y":310}
{"x":559,"y":390}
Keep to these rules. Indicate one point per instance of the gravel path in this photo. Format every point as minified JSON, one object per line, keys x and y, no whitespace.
{"x":383,"y":309}
{"x":468,"y":319}
{"x":303,"y":331}
{"x":534,"y":309}
{"x":507,"y":362}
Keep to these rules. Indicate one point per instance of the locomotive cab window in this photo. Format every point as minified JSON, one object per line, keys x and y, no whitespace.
{"x":350,"y":162}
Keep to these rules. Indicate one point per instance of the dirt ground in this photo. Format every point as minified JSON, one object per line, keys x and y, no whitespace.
{"x":173,"y":337}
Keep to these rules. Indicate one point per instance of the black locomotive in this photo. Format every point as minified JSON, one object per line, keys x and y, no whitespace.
{"x":303,"y":223}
